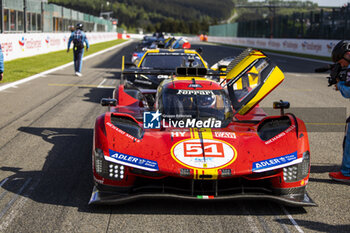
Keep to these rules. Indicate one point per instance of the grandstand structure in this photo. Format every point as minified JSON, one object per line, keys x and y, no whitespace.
{"x":35,"y":16}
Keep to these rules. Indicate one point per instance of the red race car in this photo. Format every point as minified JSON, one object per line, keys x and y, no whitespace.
{"x":202,"y":140}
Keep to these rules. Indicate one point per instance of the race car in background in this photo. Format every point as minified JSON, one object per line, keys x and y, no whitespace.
{"x":180,"y":43}
{"x":165,"y":61}
{"x":148,"y":42}
{"x":202,"y":141}
{"x":169,"y":43}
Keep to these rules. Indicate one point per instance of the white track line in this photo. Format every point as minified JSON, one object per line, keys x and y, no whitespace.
{"x":101,"y":83}
{"x":292,"y":219}
{"x":10,"y":203}
{"x":14,"y":84}
{"x":3,"y":182}
{"x":15,"y":211}
{"x":3,"y":193}
{"x":250,"y":219}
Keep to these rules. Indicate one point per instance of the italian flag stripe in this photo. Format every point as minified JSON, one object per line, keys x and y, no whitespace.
{"x":205,"y":197}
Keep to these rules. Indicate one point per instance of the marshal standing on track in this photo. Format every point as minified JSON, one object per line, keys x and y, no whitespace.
{"x":78,"y":38}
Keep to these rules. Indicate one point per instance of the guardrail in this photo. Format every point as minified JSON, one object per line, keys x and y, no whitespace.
{"x":303,"y":46}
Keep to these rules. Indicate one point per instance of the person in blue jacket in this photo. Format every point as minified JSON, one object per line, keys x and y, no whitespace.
{"x":341,"y":55}
{"x":1,"y":64}
{"x":78,"y":38}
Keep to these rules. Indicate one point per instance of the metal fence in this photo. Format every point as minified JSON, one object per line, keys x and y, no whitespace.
{"x":39,"y":16}
{"x":321,"y":24}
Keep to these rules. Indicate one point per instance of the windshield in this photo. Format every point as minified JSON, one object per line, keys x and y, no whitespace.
{"x":198,"y":104}
{"x":171,"y":60}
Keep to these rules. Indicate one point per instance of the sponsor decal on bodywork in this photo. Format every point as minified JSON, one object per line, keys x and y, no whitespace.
{"x":224,"y":135}
{"x":280,"y":135}
{"x":122,"y":132}
{"x":203,"y":153}
{"x":195,"y":92}
{"x":278,"y":162}
{"x":132,"y":161}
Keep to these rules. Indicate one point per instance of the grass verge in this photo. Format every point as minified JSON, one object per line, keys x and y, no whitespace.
{"x":24,"y":67}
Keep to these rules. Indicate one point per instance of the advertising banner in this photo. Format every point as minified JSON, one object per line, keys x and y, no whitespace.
{"x":303,"y":46}
{"x":26,"y":44}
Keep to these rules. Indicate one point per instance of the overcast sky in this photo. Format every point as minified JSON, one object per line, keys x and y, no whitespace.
{"x":323,"y":2}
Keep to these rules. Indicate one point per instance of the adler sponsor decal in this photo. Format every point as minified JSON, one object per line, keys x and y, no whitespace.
{"x":132,"y":161}
{"x":274,"y":163}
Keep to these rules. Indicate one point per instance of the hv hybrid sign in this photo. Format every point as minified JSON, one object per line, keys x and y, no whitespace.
{"x":151,"y":120}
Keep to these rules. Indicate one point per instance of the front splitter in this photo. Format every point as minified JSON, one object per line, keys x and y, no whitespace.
{"x":111,"y":198}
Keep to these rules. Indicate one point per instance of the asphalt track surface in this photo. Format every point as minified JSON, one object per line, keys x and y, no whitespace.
{"x":46,"y":131}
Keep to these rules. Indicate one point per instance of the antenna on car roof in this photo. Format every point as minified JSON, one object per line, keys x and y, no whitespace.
{"x":172,"y":79}
{"x":194,"y":82}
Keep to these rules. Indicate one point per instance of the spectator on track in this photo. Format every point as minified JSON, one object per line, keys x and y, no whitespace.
{"x":78,"y":38}
{"x":1,"y":64}
{"x":341,"y":55}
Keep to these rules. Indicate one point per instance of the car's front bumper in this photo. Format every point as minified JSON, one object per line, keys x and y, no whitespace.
{"x":111,"y":198}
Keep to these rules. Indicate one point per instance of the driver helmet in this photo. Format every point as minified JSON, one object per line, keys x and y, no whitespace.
{"x":340,"y":49}
{"x":79,"y":26}
{"x":206,"y":100}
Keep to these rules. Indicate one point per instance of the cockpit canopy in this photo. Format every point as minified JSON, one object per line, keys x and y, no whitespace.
{"x":196,"y":104}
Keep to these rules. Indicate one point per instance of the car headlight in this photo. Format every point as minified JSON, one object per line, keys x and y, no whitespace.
{"x":108,"y":169}
{"x":99,"y":158}
{"x":298,"y":171}
{"x":116,"y":171}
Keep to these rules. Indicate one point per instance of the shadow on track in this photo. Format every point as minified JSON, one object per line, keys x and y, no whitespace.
{"x":96,"y":94}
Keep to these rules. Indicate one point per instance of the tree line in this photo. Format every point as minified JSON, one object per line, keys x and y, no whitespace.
{"x":176,"y":16}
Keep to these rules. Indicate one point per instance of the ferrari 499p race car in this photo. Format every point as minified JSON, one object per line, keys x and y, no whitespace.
{"x":202,"y":140}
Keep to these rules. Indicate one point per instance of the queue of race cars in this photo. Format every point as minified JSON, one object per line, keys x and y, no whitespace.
{"x":176,"y":128}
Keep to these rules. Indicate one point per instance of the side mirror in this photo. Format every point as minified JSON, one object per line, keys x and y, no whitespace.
{"x":281,"y":105}
{"x":199,"y":50}
{"x":129,"y":64}
{"x":108,"y":102}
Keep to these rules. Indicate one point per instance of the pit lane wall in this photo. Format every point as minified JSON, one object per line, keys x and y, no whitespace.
{"x":315,"y":47}
{"x":24,"y":45}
